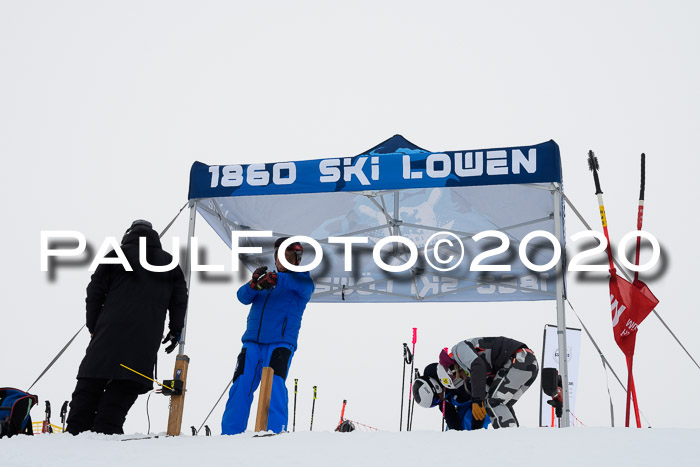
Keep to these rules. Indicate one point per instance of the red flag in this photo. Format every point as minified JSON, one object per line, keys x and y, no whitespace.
{"x":630,"y":303}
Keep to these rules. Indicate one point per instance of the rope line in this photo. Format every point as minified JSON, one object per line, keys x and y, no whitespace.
{"x":171,"y":222}
{"x":56,"y":357}
{"x":217,"y":403}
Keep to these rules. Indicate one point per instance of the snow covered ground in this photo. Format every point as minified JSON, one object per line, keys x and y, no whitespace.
{"x":520,"y":447}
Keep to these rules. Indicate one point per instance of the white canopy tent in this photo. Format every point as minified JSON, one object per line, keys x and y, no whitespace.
{"x":399,"y":189}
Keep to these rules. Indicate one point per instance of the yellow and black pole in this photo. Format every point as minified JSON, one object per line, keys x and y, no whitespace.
{"x":313,"y":406}
{"x":294,"y":419}
{"x":594,"y":167}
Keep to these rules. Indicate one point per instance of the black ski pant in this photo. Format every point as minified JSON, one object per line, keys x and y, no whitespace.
{"x":101,"y":405}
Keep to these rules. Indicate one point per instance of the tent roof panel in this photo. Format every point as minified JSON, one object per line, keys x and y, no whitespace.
{"x":394,"y":164}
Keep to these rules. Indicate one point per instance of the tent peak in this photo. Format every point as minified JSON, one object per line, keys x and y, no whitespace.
{"x":393,"y":145}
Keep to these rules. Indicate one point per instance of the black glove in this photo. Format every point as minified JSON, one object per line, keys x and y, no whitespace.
{"x":173,"y":338}
{"x":256,"y":276}
{"x":267,"y":281}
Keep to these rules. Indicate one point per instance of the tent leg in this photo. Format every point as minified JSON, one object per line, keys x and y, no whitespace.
{"x":561,"y":312}
{"x":188,"y":269}
{"x":177,"y":402}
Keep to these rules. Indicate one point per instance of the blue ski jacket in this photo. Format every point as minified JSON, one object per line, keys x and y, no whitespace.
{"x":275,"y":314}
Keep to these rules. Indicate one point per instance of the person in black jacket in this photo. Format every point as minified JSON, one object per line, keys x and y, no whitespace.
{"x":499,"y":369}
{"x":125,"y":317}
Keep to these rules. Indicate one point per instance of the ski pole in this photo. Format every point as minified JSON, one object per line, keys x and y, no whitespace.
{"x":313,"y":406}
{"x":593,"y":166}
{"x":294,"y":419}
{"x":64,"y":411}
{"x":46,"y":428}
{"x":443,"y":405}
{"x":407,"y":358}
{"x":443,"y":415}
{"x":640,"y":215}
{"x":632,"y":393}
{"x":410,"y":387}
{"x":342,"y":415}
{"x":416,"y":374}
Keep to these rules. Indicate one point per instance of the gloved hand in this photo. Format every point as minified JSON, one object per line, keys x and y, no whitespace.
{"x":173,"y":338}
{"x":478,"y":410}
{"x":267,"y":281}
{"x":256,"y":276}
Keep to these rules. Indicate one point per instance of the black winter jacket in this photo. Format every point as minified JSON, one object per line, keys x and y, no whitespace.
{"x":126,"y":311}
{"x":481,"y":358}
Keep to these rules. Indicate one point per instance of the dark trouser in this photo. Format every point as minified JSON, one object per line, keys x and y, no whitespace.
{"x":101,"y":405}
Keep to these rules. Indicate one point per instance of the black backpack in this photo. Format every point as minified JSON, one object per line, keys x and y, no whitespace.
{"x":14,"y":412}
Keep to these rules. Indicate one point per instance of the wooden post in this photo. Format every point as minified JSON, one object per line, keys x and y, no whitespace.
{"x":177,"y":403}
{"x":264,"y":399}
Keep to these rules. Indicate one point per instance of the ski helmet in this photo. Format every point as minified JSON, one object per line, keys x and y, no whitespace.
{"x":449,"y":377}
{"x":425,"y":391}
{"x":295,"y":247}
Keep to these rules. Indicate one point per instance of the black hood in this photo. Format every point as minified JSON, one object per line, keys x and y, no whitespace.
{"x":132,"y":238}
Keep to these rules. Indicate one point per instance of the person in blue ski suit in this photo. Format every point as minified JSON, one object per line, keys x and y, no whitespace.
{"x":277,"y":300}
{"x":454,"y":403}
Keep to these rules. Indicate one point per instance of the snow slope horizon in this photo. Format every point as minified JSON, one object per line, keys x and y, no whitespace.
{"x":531,"y":446}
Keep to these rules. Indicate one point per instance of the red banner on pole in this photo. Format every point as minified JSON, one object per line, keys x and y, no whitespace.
{"x":630,"y":304}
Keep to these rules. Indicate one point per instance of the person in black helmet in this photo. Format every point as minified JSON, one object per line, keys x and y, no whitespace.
{"x":278,"y":300}
{"x":125,"y":317}
{"x":454,"y":403}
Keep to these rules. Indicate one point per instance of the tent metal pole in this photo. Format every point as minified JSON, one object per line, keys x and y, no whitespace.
{"x":396,"y":213}
{"x":561,"y":311}
{"x":188,"y":269}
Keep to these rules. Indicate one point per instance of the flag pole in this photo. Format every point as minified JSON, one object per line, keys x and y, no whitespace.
{"x":631,"y":391}
{"x":593,"y":167}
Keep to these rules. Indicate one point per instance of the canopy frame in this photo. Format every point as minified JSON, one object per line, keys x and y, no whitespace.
{"x":394,"y":225}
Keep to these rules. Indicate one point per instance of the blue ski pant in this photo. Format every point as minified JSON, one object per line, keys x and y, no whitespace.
{"x":246,"y":379}
{"x":465,"y":416}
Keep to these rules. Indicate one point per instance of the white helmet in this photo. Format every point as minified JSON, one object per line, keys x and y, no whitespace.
{"x":449,"y":377}
{"x":425,"y":391}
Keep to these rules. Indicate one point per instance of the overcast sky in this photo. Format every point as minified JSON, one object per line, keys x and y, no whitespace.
{"x":105,"y":105}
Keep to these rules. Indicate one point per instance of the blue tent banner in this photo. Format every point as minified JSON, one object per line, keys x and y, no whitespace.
{"x":397,"y":189}
{"x":407,"y":167}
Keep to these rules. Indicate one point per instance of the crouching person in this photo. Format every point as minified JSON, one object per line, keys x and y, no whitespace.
{"x":499,"y":369}
{"x":454,"y":402}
